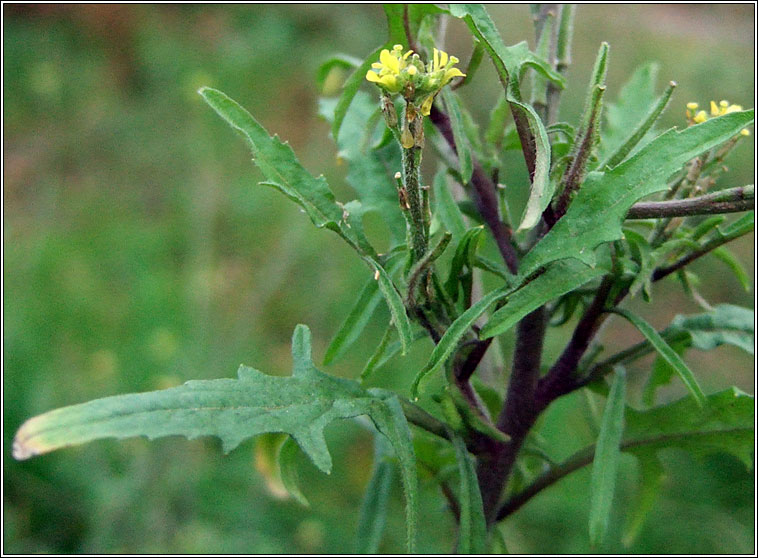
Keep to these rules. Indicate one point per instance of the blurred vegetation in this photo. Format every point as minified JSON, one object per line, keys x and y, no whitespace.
{"x":139,"y":253}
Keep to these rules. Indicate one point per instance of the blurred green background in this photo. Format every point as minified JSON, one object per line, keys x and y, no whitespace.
{"x":139,"y":253}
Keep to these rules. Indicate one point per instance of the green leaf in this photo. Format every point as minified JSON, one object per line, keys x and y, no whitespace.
{"x":725,"y":325}
{"x":284,"y":172}
{"x":651,"y":481}
{"x":641,"y":129}
{"x":559,"y":279}
{"x":355,"y":322}
{"x":342,"y":61}
{"x":510,"y":62}
{"x":377,"y":355}
{"x":598,"y":210}
{"x":472,"y":530}
{"x":395,"y":304}
{"x":463,"y":149}
{"x":464,"y":255}
{"x":287,"y":459}
{"x":373,"y":515}
{"x":234,"y":410}
{"x":352,"y":84}
{"x":605,"y":463}
{"x":724,"y":424}
{"x":455,"y":333}
{"x":726,"y":256}
{"x":447,"y":210}
{"x":633,"y":104}
{"x":368,"y":169}
{"x":667,"y":353}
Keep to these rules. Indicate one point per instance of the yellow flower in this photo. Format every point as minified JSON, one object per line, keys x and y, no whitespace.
{"x":399,"y":71}
{"x":723,"y":107}
{"x":700,"y":117}
{"x":389,"y":71}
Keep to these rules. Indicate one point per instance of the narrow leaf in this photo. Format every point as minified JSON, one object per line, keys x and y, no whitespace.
{"x":455,"y":332}
{"x":447,"y":210}
{"x":373,"y":515}
{"x":726,"y":324}
{"x":355,"y":322}
{"x":352,"y":84}
{"x":510,"y":62}
{"x":642,"y":129}
{"x":559,"y":278}
{"x":597,"y":212}
{"x":667,"y":353}
{"x":394,"y":302}
{"x":472,"y":528}
{"x":726,"y":256}
{"x":605,"y":463}
{"x":284,"y":172}
{"x":463,"y":149}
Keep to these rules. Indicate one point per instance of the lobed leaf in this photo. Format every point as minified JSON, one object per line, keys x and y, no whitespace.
{"x":234,"y":410}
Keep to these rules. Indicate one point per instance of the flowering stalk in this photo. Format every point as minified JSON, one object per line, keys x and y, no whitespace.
{"x":404,"y":73}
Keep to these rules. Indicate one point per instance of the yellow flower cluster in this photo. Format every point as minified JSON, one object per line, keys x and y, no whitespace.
{"x":695,"y":116}
{"x":397,"y":71}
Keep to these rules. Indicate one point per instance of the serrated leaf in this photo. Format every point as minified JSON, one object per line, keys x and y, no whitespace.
{"x":463,"y":150}
{"x":605,"y":463}
{"x":284,"y":172}
{"x":234,"y":410}
{"x":598,"y":210}
{"x":373,"y":514}
{"x":559,"y":279}
{"x":667,"y":353}
{"x":472,"y":528}
{"x":510,"y":62}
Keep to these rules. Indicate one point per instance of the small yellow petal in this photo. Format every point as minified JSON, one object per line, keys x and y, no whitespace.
{"x":389,"y":61}
{"x":744,"y":132}
{"x":443,"y":58}
{"x":373,"y":77}
{"x":412,"y":70}
{"x":398,"y":47}
{"x":426,"y":107}
{"x":407,"y":54}
{"x":692,"y":106}
{"x":733,"y":108}
{"x":724,"y":104}
{"x":450,"y":74}
{"x":377,"y":65}
{"x":700,"y":117}
{"x":436,"y":65}
{"x":714,"y":109}
{"x":389,"y":81}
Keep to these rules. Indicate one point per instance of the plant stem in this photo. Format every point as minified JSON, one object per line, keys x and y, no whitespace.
{"x":731,"y":200}
{"x":412,"y":185}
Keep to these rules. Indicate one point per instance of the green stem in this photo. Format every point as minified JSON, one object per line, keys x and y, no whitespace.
{"x":412,"y":184}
